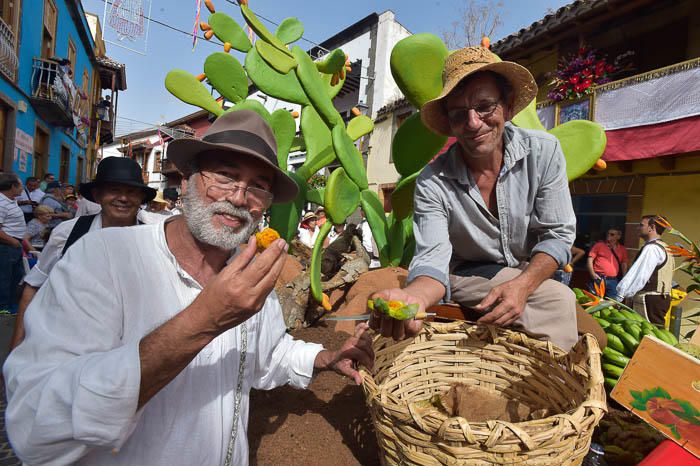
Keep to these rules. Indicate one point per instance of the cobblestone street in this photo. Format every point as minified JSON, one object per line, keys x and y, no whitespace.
{"x":7,"y":456}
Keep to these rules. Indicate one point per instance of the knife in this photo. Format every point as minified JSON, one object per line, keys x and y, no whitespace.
{"x":420,"y":316}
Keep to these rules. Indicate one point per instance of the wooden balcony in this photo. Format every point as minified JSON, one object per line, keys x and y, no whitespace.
{"x":52,"y":92}
{"x":104,"y":119}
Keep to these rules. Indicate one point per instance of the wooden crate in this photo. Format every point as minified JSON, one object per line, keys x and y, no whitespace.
{"x":661,"y":385}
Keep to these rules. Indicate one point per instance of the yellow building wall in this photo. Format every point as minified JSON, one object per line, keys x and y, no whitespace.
{"x":678,"y":199}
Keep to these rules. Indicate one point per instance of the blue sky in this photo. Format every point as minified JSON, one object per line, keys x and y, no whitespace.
{"x":147,"y":102}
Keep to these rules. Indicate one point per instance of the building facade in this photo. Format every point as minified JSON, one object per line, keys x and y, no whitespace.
{"x":370,"y":85}
{"x":49,"y":84}
{"x":650,"y":111}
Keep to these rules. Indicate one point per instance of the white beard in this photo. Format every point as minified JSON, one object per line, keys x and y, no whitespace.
{"x":199,"y":218}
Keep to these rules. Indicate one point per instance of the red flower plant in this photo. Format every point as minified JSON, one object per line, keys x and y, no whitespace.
{"x":578,"y":74}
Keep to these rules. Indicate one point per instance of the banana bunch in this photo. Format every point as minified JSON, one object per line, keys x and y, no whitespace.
{"x":624,"y":329}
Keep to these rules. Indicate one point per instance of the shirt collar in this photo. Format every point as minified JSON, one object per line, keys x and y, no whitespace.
{"x":165,"y":250}
{"x":452,"y":165}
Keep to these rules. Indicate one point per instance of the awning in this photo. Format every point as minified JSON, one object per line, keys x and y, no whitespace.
{"x":645,"y":142}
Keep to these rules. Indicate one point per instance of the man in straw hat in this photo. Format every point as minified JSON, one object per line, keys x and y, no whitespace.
{"x":119,"y":189}
{"x":176,"y":325}
{"x":493,"y":216}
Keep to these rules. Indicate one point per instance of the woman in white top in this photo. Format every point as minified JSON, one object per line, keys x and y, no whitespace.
{"x":308,"y":231}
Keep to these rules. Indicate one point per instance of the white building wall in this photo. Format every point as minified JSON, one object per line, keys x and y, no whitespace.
{"x":380,"y":169}
{"x":389,"y":32}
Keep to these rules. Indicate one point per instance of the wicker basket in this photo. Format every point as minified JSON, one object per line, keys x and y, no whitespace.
{"x":536,"y":373}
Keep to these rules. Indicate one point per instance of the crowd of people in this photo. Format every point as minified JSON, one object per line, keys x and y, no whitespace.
{"x":38,"y":214}
{"x":312,"y":221}
{"x":139,"y":344}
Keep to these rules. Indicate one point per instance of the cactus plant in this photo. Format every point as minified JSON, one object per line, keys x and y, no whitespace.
{"x":291,"y":75}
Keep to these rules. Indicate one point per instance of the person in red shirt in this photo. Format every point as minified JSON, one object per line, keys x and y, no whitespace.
{"x":607,"y":260}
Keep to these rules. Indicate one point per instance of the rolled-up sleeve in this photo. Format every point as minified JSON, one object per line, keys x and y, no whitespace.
{"x":553,"y":219}
{"x":433,"y":248}
{"x":73,"y":384}
{"x":280,"y":359}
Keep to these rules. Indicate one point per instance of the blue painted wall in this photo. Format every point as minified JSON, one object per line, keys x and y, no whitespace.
{"x":31,"y":24}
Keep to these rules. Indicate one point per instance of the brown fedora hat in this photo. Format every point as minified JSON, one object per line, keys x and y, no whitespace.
{"x":465,"y":62}
{"x":239,"y":133}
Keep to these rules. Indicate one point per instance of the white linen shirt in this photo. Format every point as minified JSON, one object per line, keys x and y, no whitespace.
{"x":73,"y":383}
{"x":53,"y":250}
{"x":37,"y":195}
{"x":86,"y":207}
{"x":639,"y":274}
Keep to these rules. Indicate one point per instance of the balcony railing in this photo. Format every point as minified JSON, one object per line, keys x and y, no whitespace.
{"x":8,"y":51}
{"x":53,"y":92}
{"x":661,"y":95}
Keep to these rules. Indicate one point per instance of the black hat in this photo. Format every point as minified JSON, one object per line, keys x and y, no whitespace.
{"x":238,"y":133}
{"x":119,"y":170}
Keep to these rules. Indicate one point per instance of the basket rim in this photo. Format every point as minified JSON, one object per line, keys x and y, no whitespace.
{"x":439,"y":423}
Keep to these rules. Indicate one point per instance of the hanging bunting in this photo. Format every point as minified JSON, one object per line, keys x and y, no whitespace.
{"x":196,"y":24}
{"x":126,"y":24}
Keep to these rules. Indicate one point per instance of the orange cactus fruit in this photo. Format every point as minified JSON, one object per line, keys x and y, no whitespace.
{"x":326,"y":302}
{"x":486,"y":42}
{"x":265,"y":238}
{"x":210,"y":6}
{"x":243,"y":2}
{"x":208,"y":35}
{"x":568,"y":268}
{"x":600,"y":165}
{"x":295,"y":114}
{"x":204,"y":26}
{"x":227,"y":47}
{"x":201,"y":77}
{"x":356,"y":111}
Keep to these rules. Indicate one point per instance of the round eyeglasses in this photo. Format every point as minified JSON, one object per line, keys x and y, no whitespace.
{"x":460,"y":115}
{"x":221,"y":187}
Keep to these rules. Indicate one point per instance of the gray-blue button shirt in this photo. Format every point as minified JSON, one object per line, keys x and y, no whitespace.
{"x":453,"y":226}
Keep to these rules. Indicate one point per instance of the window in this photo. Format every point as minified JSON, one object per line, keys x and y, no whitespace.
{"x":48,"y":36}
{"x":71,"y":57}
{"x":157,"y":161}
{"x":79,"y":170}
{"x":595,"y":214}
{"x":65,"y":165}
{"x":41,"y":151}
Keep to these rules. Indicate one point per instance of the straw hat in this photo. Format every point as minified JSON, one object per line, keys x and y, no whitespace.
{"x":465,"y":62}
{"x":309,"y":216}
{"x":159,"y":198}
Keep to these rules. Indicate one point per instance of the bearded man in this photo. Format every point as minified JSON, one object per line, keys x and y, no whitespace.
{"x":150,"y":357}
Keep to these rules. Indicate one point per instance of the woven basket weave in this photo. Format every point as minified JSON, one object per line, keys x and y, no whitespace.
{"x":540,"y":375}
